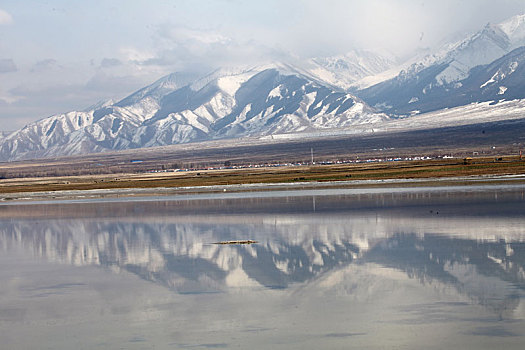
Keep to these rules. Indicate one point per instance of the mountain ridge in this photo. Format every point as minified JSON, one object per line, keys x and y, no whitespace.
{"x":276,"y":98}
{"x":282,"y":98}
{"x":502,"y":79}
{"x":447,"y":78}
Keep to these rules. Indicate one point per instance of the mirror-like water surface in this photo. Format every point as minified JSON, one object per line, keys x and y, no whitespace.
{"x":423,"y":269}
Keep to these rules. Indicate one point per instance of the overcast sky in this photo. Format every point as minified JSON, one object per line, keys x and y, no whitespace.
{"x":62,"y":55}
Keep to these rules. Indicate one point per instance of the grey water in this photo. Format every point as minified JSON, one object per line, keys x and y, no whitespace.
{"x":419,"y":268}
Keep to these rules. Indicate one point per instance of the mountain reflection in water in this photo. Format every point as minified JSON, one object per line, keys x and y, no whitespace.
{"x":471,"y":246}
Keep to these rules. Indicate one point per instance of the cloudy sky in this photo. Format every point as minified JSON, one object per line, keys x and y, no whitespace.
{"x":62,"y":55}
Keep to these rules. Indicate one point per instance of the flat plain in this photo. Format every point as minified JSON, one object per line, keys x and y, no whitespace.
{"x":485,"y":149}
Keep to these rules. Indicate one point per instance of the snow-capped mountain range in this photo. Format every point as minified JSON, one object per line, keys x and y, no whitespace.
{"x":263,"y":100}
{"x":317,"y":95}
{"x":485,"y":66}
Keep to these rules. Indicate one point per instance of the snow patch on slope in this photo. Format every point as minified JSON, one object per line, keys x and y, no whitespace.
{"x":514,"y":28}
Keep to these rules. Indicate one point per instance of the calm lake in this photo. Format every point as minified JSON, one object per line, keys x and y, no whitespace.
{"x":413,"y":268}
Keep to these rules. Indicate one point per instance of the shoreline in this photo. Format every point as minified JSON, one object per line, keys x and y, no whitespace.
{"x":403,"y":174}
{"x":263,"y":189}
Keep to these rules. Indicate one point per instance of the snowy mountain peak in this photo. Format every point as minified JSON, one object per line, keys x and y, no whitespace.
{"x":99,"y":105}
{"x":493,"y":33}
{"x":514,"y":28}
{"x":345,"y":70}
{"x":159,"y":88}
{"x":481,"y":48}
{"x":229,"y":80}
{"x":453,"y":61}
{"x":359,"y":61}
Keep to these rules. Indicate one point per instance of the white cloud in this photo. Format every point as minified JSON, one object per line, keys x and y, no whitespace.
{"x":135,"y":55}
{"x":5,"y":18}
{"x":182,"y":34}
{"x":182,"y":48}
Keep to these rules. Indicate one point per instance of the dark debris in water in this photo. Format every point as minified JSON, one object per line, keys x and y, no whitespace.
{"x":236,"y":242}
